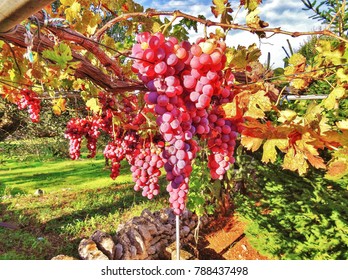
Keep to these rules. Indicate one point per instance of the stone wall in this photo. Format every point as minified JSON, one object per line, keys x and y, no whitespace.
{"x":141,"y":238}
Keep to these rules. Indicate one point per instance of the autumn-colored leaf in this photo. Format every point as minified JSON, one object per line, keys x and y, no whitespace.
{"x":335,"y":95}
{"x":342,"y":125}
{"x":259,"y":103}
{"x":59,"y":106}
{"x":269,"y":149}
{"x":337,"y":169}
{"x":295,"y":161}
{"x":287,"y":116}
{"x":251,"y":5}
{"x":93,"y":105}
{"x":223,"y":8}
{"x":251,"y":143}
{"x":73,"y":12}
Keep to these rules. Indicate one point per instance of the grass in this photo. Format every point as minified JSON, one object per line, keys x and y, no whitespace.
{"x":55,"y":175}
{"x":79,"y":198}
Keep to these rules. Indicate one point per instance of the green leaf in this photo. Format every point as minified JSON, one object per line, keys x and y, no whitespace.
{"x":61,"y":54}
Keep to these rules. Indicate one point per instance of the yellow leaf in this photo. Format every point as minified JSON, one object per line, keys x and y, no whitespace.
{"x":230,"y":109}
{"x":295,"y":161}
{"x":156,"y":27}
{"x":67,"y":2}
{"x":73,"y":13}
{"x":59,"y":106}
{"x":259,"y":103}
{"x":342,"y":125}
{"x":93,"y":105}
{"x":251,"y":143}
{"x":56,"y":110}
{"x":297,"y":59}
{"x":299,"y":83}
{"x":287,"y":116}
{"x":336,"y":94}
{"x":269,"y":149}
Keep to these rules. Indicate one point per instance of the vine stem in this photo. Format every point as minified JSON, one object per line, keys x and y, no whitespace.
{"x":235,"y":26}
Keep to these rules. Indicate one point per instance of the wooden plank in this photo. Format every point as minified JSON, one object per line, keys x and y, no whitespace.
{"x":13,"y":12}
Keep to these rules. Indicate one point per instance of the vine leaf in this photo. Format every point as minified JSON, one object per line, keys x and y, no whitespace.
{"x":269,"y":149}
{"x":251,"y":5}
{"x":73,"y":12}
{"x":259,"y":103}
{"x":251,"y":143}
{"x":223,"y":8}
{"x":295,"y":161}
{"x":93,"y":105}
{"x":61,"y":54}
{"x":338,"y":167}
{"x":59,"y":106}
{"x":336,"y":94}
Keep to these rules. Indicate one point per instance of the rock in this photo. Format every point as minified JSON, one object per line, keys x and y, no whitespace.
{"x":133,"y":251}
{"x":88,"y":250}
{"x":151,"y":250}
{"x":137,"y":241}
{"x":155,"y":240}
{"x":125,"y":242}
{"x":63,"y":258}
{"x":151,"y":218}
{"x":145,"y":233}
{"x":118,"y":251}
{"x":192,"y":224}
{"x":104,"y":243}
{"x":244,"y":247}
{"x":39,"y":192}
{"x":185,"y":230}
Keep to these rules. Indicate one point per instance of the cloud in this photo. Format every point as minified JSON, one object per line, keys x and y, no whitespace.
{"x":288,"y":15}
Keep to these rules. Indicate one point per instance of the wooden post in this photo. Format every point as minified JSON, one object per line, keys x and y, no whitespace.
{"x":13,"y":12}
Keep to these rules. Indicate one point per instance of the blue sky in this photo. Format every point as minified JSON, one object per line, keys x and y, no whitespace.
{"x":278,"y":13}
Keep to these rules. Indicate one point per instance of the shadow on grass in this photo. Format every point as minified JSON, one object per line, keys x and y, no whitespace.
{"x":63,"y":219}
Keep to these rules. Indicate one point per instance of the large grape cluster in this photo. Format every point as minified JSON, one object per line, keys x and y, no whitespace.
{"x":183,"y":79}
{"x":30,"y":101}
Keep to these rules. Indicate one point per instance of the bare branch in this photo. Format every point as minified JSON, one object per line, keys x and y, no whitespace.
{"x":235,"y":26}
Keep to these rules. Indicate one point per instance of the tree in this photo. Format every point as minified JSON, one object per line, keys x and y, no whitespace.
{"x":165,"y":101}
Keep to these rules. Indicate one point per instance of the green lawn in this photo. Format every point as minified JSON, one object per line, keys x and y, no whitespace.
{"x":51,"y":176}
{"x":79,"y":197}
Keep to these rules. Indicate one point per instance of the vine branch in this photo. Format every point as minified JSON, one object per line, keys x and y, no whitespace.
{"x":235,"y":26}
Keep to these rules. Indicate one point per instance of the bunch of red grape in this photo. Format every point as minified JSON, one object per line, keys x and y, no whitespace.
{"x":221,"y":142}
{"x":146,"y":162}
{"x":29,"y":100}
{"x":118,"y":149}
{"x":77,"y":129}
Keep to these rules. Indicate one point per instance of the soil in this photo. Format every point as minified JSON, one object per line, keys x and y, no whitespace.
{"x":224,"y":239}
